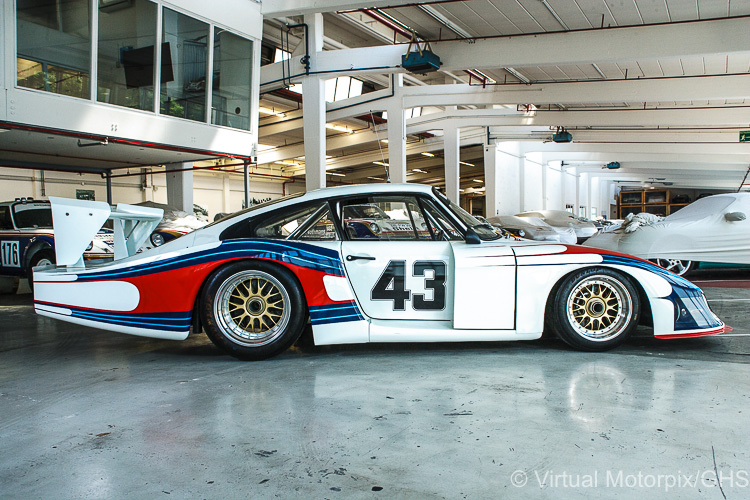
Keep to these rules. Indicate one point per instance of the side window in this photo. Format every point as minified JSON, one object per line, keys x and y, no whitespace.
{"x":384,"y":218}
{"x":281,"y":226}
{"x":5,"y":222}
{"x":320,"y":227}
{"x":441,"y":227}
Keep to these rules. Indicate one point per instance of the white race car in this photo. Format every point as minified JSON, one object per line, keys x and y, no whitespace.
{"x":254,"y":279}
{"x":534,"y":228}
{"x":583,"y":228}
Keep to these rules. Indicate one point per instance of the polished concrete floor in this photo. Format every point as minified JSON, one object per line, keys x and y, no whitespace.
{"x":89,"y":414}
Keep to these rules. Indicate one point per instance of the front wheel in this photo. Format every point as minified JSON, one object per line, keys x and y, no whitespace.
{"x":678,"y":267}
{"x":253,"y":310}
{"x":595,"y":309}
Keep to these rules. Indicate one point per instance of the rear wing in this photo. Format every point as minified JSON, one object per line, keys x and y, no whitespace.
{"x":77,"y":222}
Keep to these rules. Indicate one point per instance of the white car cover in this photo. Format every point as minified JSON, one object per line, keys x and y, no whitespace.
{"x":565,"y":220}
{"x":535,"y":228}
{"x":702,"y":232}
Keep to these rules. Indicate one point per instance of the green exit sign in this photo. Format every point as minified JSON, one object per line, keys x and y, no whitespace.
{"x":744,"y":135}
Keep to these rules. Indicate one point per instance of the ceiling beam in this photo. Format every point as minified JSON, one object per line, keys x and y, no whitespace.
{"x":276,"y":8}
{"x":738,"y":150}
{"x":613,"y":45}
{"x":665,"y":160}
{"x":684,"y":89}
{"x":627,"y":117}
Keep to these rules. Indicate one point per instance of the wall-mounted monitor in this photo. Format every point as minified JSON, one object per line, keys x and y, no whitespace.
{"x":139,"y":66}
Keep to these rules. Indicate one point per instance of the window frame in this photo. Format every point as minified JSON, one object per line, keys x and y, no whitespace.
{"x":93,"y":67}
{"x":420,"y":198}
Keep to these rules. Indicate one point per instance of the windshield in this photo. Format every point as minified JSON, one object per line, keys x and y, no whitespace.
{"x":32,"y":216}
{"x":484,"y":231}
{"x":256,"y":207}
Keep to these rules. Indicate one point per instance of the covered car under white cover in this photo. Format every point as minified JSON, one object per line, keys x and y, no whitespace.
{"x":711,"y":229}
{"x":562,"y":219}
{"x":534,"y":228}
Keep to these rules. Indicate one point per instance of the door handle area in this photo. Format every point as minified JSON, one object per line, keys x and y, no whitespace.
{"x":359,"y":257}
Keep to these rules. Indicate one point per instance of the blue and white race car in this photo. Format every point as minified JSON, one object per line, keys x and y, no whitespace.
{"x":27,"y":238}
{"x":253,"y":280}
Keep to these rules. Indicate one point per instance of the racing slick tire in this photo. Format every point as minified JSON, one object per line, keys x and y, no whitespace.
{"x":253,"y":310}
{"x":40,"y":258}
{"x":595,"y":309}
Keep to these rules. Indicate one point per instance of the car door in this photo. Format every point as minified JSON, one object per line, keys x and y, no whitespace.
{"x":10,"y":244}
{"x":399,"y":263}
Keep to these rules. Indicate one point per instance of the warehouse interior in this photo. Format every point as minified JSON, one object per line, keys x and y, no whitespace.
{"x":598,"y":108}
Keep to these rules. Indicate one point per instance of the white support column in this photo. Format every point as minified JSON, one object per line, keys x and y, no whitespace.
{"x":584,"y":192}
{"x":226,"y":194}
{"x":502,"y":178}
{"x":594,"y":198}
{"x":314,"y":110}
{"x":451,"y":152}
{"x":180,"y":186}
{"x":397,"y":133}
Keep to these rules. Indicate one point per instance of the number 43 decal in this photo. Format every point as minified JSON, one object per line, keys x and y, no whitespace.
{"x":392,"y":285}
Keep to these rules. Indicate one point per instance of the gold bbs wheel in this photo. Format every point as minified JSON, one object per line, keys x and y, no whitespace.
{"x":599,"y":307}
{"x":252,"y":308}
{"x":594,"y":309}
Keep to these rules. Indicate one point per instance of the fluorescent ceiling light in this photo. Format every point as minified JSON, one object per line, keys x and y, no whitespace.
{"x":518,"y":75}
{"x":269,"y":111}
{"x":376,"y":178}
{"x":381,"y":163}
{"x":467,"y":164}
{"x":339,"y":128}
{"x":419,"y":170}
{"x":478,"y":180}
{"x":425,"y":153}
{"x":336,"y":174}
{"x":384,"y":141}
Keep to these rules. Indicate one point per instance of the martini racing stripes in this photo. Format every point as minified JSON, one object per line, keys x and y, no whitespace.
{"x":336,"y":313}
{"x":167,"y":321}
{"x":299,"y":254}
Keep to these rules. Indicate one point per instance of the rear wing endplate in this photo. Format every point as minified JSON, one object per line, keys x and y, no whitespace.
{"x":76,"y":223}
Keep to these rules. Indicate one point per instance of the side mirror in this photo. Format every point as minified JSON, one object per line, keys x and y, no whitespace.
{"x":735,"y":216}
{"x":472,"y":238}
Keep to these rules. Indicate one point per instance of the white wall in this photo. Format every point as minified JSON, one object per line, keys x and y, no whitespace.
{"x":569,"y":188}
{"x":208,"y":188}
{"x":533,"y":183}
{"x":553,"y":187}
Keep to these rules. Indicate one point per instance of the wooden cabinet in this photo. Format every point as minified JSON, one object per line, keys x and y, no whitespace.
{"x":651,"y":201}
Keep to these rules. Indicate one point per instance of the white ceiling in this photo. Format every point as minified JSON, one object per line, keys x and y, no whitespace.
{"x":659,"y":85}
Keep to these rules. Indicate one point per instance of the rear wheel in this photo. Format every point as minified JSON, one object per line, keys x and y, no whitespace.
{"x":595,"y":309}
{"x":43,"y":257}
{"x":678,"y":267}
{"x":253,"y":310}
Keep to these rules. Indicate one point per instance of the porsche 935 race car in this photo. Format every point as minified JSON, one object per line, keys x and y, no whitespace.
{"x":253,"y":280}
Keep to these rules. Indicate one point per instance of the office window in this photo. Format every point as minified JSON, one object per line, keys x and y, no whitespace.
{"x":54,"y":46}
{"x":126,"y":56}
{"x":185,"y":43}
{"x":230,"y":100}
